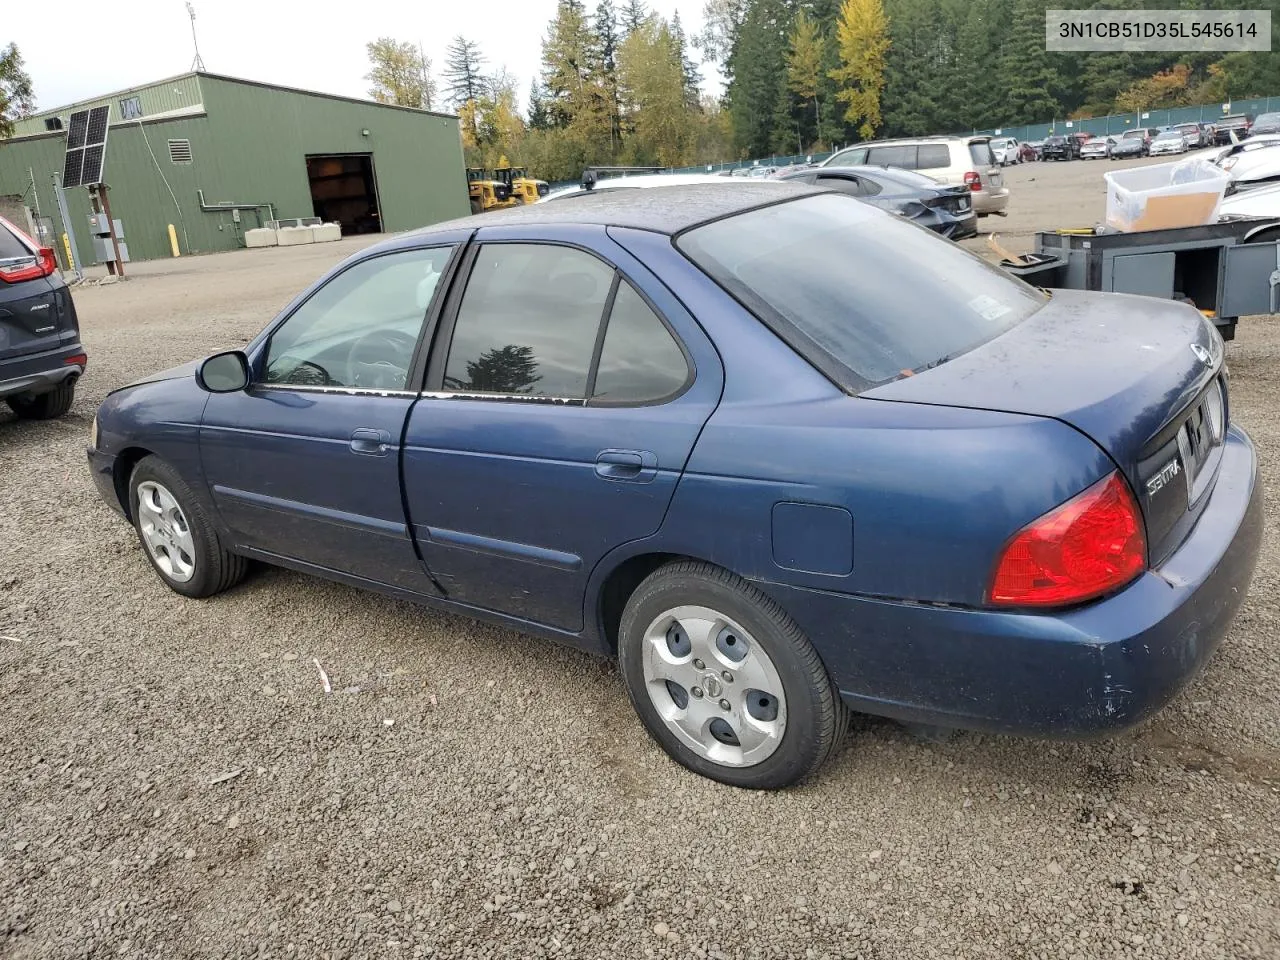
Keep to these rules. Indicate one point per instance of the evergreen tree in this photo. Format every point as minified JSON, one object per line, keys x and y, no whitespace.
{"x":757,"y":90}
{"x":805,"y":65}
{"x":634,"y":13}
{"x":539,"y":118}
{"x":464,"y":80}
{"x":690,"y":75}
{"x":605,"y":24}
{"x":1028,"y":81}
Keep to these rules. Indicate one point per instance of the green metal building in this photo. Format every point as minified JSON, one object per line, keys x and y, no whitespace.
{"x":215,"y":156}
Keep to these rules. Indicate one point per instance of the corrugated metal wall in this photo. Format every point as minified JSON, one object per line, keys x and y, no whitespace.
{"x":179,"y":93}
{"x":250,"y":148}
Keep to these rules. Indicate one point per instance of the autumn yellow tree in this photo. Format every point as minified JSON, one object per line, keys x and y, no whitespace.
{"x":1168,"y":88}
{"x":651,"y":86}
{"x":804,"y":63}
{"x":400,"y":74}
{"x":862,"y":33}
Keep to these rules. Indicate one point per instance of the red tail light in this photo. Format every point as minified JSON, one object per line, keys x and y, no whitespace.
{"x":1088,"y":546}
{"x":973,"y":180}
{"x":76,"y":359}
{"x":45,"y":263}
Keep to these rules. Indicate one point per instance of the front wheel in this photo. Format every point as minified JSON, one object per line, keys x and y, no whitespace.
{"x":724,"y":679}
{"x":176,"y":535}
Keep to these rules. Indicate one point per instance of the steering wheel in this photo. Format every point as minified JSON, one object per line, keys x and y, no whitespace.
{"x":381,"y":359}
{"x":305,"y":374}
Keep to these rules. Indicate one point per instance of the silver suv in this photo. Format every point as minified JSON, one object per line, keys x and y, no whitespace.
{"x":964,"y":161}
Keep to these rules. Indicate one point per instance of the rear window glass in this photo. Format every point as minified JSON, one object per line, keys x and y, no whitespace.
{"x":892,"y":156}
{"x":933,"y":156}
{"x":1269,"y":119}
{"x":11,"y":246}
{"x":1134,"y":134}
{"x":863,"y":295}
{"x":981,"y":153}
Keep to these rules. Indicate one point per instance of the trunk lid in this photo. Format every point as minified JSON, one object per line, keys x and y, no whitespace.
{"x":32,"y":317}
{"x":955,"y":200}
{"x":1143,"y":378}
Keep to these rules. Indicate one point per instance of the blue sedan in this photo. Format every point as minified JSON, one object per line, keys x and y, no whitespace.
{"x":782,"y":454}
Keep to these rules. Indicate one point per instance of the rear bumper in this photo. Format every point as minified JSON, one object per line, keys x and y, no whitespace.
{"x":989,"y":200}
{"x":38,"y":373}
{"x":1098,"y":669}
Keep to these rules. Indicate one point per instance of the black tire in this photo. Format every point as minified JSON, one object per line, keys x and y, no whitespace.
{"x":46,"y":406}
{"x":816,"y":718}
{"x":216,"y":568}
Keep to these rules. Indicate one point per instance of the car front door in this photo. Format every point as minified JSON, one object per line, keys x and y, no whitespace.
{"x":305,"y":463}
{"x":566,"y":390}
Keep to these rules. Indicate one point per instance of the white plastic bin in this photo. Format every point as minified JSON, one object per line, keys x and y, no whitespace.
{"x":1186,"y":193}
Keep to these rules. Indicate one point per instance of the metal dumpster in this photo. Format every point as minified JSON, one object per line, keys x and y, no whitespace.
{"x":1229,"y":269}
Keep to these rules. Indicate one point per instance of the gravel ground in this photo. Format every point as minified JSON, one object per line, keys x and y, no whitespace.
{"x":176,"y":783}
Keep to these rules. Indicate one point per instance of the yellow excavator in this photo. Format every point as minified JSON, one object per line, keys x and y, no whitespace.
{"x":487,"y":192}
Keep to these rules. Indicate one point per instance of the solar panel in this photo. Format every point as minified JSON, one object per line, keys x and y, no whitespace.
{"x":72,"y":167}
{"x":92,"y":171}
{"x":78,"y":128}
{"x":86,"y":147}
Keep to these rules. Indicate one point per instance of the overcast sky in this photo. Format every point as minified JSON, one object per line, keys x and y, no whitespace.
{"x":77,"y":49}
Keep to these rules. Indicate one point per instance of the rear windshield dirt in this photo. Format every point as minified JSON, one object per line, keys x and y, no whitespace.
{"x":865,"y":296}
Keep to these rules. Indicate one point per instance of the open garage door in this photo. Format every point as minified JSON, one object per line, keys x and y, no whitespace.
{"x":344,"y":190}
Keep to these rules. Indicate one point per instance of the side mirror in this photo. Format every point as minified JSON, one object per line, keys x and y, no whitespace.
{"x":224,"y":372}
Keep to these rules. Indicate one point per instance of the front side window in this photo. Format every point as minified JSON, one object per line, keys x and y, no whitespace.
{"x":863,"y":295}
{"x":528,"y":321}
{"x":360,"y":329}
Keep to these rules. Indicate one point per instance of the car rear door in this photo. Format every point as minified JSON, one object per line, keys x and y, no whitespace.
{"x":304,"y":464}
{"x":985,"y":163}
{"x":565,"y":392}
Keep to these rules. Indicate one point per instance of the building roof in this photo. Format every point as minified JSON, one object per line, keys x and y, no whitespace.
{"x":163,"y":92}
{"x":659,"y":209}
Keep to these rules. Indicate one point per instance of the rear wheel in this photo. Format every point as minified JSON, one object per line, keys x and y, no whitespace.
{"x":724,"y":679}
{"x":46,"y":406}
{"x":176,"y":535}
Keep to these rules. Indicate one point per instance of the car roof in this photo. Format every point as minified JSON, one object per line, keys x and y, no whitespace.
{"x":637,"y":180}
{"x":661,"y":209}
{"x":881,"y":173}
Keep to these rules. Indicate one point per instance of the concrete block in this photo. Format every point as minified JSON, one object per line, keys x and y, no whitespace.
{"x":260,"y":237}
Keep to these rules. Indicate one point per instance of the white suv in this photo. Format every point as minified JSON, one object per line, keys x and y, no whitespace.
{"x":964,"y":161}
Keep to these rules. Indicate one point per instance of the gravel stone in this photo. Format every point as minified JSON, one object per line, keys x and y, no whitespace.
{"x":512,"y":755}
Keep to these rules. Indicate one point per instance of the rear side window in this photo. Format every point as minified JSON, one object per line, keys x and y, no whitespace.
{"x":528,"y":321}
{"x":11,"y":247}
{"x":933,"y":156}
{"x":864,"y":296}
{"x":981,"y":153}
{"x":640,"y":361}
{"x":897,"y":155}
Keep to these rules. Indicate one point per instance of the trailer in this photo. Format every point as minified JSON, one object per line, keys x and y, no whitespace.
{"x":1229,"y":269}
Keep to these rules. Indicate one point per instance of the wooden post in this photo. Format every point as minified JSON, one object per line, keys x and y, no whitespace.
{"x":111,"y":226}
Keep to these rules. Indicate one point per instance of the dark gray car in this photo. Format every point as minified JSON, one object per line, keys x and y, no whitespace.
{"x":946,"y":210}
{"x":41,"y":357}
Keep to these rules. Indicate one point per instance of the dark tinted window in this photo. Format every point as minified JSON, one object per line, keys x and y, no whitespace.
{"x":640,"y":361}
{"x":862,"y":294}
{"x":933,"y":155}
{"x":11,"y":246}
{"x":891,"y":179}
{"x":851,"y":185}
{"x":528,"y":321}
{"x":360,"y":329}
{"x":981,"y":153}
{"x":893,"y":156}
